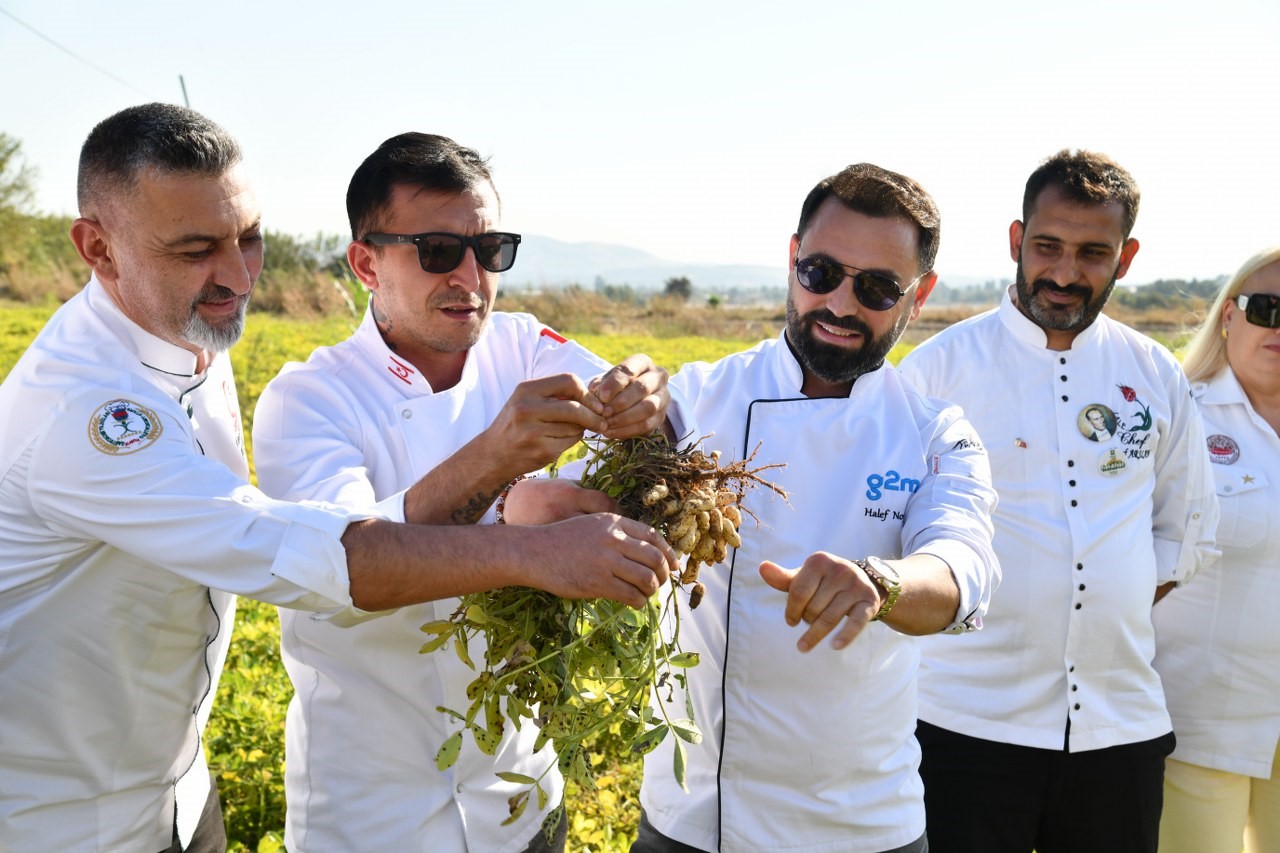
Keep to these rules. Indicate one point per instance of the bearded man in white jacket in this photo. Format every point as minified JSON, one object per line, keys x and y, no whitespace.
{"x":887,"y":533}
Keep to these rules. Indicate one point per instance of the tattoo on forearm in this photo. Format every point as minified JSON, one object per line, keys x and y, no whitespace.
{"x":475,"y":508}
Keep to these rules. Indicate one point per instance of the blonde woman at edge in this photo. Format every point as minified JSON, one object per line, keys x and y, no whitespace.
{"x":1218,"y":644}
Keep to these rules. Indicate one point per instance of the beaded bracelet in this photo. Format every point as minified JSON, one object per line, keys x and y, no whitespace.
{"x":501,"y":504}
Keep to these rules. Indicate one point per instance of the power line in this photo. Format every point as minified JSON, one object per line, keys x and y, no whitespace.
{"x":72,"y":53}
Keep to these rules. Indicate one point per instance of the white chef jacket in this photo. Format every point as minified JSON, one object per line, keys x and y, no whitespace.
{"x":1085,"y":530}
{"x":1217,"y":643}
{"x":123,"y":500}
{"x":358,"y":425}
{"x":815,"y":752}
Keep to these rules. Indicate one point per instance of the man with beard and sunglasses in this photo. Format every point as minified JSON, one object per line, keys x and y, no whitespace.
{"x":428,"y":413}
{"x":886,"y":534}
{"x":1049,"y":730}
{"x":128,"y":525}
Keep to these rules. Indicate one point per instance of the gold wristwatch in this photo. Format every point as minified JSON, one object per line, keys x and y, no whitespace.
{"x":886,"y":577}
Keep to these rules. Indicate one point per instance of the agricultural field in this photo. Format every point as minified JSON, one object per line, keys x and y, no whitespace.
{"x":245,"y":740}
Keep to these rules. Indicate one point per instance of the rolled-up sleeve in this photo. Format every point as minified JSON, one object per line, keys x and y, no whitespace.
{"x":950,"y":518}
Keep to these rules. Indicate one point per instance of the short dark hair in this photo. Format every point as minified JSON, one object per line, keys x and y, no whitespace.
{"x":873,"y":191}
{"x":1084,"y":177}
{"x":160,"y":136}
{"x":424,"y":160}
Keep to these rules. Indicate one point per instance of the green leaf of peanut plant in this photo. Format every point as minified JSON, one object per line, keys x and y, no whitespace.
{"x":687,"y":730}
{"x":434,"y":643}
{"x":650,"y":739}
{"x":449,"y":750}
{"x":517,"y":778}
{"x":551,"y":823}
{"x":685,"y":660}
{"x":679,"y":765}
{"x":486,"y":739}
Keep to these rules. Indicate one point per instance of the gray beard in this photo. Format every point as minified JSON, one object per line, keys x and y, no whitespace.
{"x":215,"y":338}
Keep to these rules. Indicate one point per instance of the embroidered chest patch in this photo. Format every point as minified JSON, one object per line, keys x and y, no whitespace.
{"x":123,"y":426}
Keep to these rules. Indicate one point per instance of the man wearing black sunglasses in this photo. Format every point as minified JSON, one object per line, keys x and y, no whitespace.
{"x":808,"y":746}
{"x":1048,"y":730}
{"x":427,"y":414}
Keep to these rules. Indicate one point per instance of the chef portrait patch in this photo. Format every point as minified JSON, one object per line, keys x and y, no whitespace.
{"x":1223,"y":449}
{"x":123,"y":426}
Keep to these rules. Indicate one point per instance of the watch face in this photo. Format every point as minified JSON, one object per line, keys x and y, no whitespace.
{"x":880,"y":567}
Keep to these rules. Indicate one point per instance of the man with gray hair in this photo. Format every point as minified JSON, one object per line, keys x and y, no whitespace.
{"x":127,"y":524}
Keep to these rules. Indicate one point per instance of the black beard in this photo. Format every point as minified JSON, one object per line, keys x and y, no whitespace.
{"x":834,"y":364}
{"x":1060,"y":318}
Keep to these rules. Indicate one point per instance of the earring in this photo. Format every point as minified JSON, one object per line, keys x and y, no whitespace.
{"x":1224,"y":333}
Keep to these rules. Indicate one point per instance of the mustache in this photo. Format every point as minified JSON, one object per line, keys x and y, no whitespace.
{"x":1073,"y":289}
{"x":826,"y":318}
{"x":215,"y":293}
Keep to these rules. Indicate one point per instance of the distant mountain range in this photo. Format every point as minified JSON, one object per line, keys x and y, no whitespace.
{"x":544,"y":262}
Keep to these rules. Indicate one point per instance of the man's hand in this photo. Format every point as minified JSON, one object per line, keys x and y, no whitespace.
{"x":633,"y":397}
{"x":600,"y":556}
{"x":543,"y":501}
{"x":822,"y":592}
{"x":542,"y":419}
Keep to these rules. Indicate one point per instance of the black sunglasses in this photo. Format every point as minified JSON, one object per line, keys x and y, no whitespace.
{"x":874,"y":290}
{"x":1260,"y":309}
{"x":441,"y":251}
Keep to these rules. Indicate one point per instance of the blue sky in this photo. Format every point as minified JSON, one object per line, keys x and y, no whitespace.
{"x":693,"y":130}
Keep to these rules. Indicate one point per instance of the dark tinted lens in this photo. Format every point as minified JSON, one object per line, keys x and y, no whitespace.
{"x":876,"y":291}
{"x":496,"y":252}
{"x":440,"y":253}
{"x":818,"y":276}
{"x":1263,"y":309}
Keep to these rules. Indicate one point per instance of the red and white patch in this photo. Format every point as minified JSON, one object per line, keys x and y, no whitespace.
{"x":547,"y":333}
{"x":1223,"y":449}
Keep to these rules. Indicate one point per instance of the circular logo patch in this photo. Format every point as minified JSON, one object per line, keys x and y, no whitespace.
{"x":123,"y":426}
{"x":1111,"y":463}
{"x":1223,"y":449}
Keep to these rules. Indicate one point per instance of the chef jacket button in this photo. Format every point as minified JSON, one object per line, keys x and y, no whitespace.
{"x":1195,"y":516}
{"x":1074,"y":688}
{"x":1064,"y":398}
{"x":1071,"y":482}
{"x":1082,"y":587}
{"x":1063,"y":378}
{"x":1062,"y":361}
{"x":1077,"y":706}
{"x":1078,"y":606}
{"x":459,"y":787}
{"x":406,"y":414}
{"x":1075,"y":503}
{"x":1071,"y":463}
{"x":1071,"y":669}
{"x":1079,"y":566}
